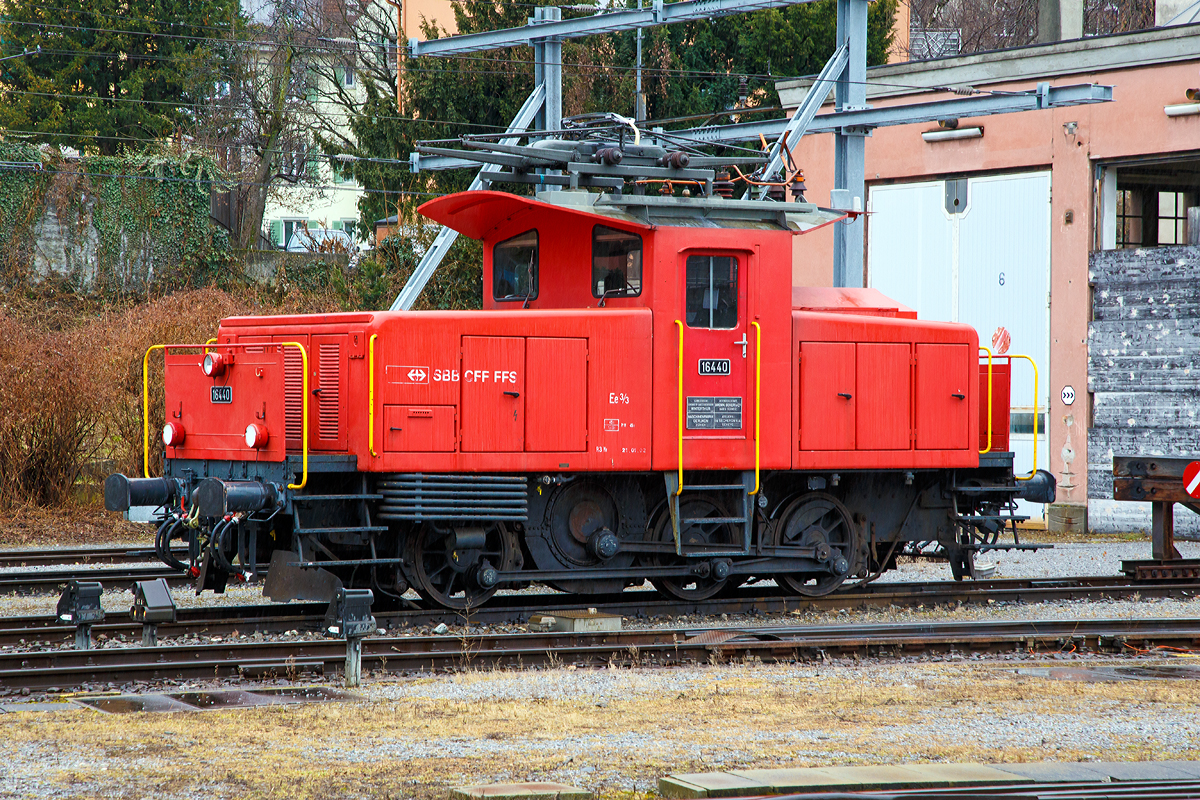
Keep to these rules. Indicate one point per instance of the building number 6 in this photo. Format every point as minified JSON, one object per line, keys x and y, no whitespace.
{"x":1001,"y":278}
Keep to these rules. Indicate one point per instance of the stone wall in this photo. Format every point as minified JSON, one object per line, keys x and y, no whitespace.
{"x":1143,"y":371}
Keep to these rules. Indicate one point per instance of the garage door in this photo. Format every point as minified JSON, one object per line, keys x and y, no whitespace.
{"x":974,"y":250}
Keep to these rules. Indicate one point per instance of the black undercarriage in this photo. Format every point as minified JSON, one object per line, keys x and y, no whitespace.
{"x":457,"y":539}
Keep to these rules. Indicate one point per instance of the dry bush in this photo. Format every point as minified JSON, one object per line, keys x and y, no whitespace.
{"x":71,"y":385}
{"x":49,"y":414}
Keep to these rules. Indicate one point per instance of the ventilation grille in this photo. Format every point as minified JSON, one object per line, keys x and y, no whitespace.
{"x":418,"y":496}
{"x":293,"y":392}
{"x":329,"y":365}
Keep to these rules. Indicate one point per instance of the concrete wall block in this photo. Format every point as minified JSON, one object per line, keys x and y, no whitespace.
{"x":1127,"y":410}
{"x":1136,"y":267}
{"x":1150,"y":300}
{"x":1145,"y":337}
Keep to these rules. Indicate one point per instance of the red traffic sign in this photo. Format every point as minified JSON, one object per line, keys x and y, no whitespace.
{"x":1191,"y":479}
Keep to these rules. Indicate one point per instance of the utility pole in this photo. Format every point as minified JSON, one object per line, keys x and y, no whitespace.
{"x":850,"y":144}
{"x":639,"y":97}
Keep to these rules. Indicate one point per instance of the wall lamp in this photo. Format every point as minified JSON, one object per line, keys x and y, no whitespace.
{"x":1182,"y":110}
{"x":951,"y":134}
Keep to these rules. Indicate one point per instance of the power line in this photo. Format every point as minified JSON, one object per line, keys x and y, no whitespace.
{"x":241,"y":145}
{"x":11,"y":166}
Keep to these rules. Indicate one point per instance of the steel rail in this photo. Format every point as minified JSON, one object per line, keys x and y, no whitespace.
{"x":517,"y":609}
{"x":657,"y":647}
{"x":65,"y":556}
{"x":55,"y":580}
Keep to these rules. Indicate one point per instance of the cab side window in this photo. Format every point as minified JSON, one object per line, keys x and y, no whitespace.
{"x":712,"y":292}
{"x":515,"y":268}
{"x":616,"y":263}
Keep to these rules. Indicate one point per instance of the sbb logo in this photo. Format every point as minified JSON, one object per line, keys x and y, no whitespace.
{"x":407,"y":374}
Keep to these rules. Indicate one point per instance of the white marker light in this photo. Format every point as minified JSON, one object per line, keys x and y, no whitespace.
{"x":256,"y":435}
{"x":213,"y":365}
{"x":173,"y":434}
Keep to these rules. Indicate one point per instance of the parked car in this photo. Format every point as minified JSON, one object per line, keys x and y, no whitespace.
{"x":321,"y":240}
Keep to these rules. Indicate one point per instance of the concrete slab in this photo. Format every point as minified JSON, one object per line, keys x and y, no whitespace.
{"x":964,"y":774}
{"x":717,"y":784}
{"x":674,"y":786}
{"x":520,"y":791}
{"x":1140,"y":771}
{"x":794,"y":780}
{"x":1192,"y":768}
{"x":878,"y":777}
{"x":1055,"y":771}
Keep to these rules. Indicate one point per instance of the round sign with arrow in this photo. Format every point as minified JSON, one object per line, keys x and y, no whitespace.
{"x":1191,"y":479}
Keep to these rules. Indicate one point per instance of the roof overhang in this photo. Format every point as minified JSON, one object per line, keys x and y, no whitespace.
{"x":475,"y":214}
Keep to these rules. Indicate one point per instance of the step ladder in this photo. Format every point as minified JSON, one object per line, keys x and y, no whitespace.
{"x":311,"y":532}
{"x":675,"y":492}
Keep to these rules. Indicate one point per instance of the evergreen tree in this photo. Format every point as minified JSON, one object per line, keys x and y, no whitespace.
{"x":109,"y":70}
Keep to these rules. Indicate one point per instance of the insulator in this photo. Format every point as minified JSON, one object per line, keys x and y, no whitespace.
{"x":797,"y":188}
{"x":722,"y":186}
{"x":609,"y":155}
{"x":676,"y":160}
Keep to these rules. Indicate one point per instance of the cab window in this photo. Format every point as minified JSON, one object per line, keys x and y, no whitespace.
{"x":616,"y":263}
{"x":515,"y":267}
{"x":712,"y":291}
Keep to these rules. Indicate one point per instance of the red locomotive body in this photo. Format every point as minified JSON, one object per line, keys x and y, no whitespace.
{"x":643,"y":396}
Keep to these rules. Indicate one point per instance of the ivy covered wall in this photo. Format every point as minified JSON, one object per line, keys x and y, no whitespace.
{"x":109,"y":224}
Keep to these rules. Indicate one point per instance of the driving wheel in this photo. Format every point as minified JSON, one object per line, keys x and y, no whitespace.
{"x":455,"y":567}
{"x":820,"y":522}
{"x":693,"y":534}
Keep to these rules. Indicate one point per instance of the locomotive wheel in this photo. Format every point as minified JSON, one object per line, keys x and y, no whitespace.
{"x":697,"y":533}
{"x":579,"y":517}
{"x":821,"y":521}
{"x":447,"y":576}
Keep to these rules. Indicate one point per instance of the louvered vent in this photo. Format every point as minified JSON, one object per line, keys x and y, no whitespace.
{"x":293,"y":392}
{"x":329,"y":364}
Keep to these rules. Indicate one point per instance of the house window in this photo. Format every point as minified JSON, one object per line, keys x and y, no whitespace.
{"x":1129,"y":218}
{"x":1152,"y":201}
{"x":1172,"y":218}
{"x":290,"y":226}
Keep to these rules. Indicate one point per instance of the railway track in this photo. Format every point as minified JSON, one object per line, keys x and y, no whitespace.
{"x":68,"y":556}
{"x":656,"y":647}
{"x":45,"y":630}
{"x":53,"y":580}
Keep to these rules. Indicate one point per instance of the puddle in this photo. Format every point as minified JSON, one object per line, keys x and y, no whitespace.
{"x":1109,"y":674}
{"x":132,"y":703}
{"x":308,"y":694}
{"x":214,"y":701}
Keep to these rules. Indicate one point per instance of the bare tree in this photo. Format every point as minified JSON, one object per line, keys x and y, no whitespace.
{"x":948,"y":27}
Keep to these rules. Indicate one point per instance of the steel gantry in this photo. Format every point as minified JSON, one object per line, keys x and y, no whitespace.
{"x":845,"y":74}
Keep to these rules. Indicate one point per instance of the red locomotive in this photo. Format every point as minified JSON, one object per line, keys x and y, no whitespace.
{"x":644,"y":396}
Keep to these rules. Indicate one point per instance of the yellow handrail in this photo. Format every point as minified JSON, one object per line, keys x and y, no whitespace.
{"x":303,"y":401}
{"x":679,"y":487}
{"x":371,"y":394}
{"x":757,"y":401}
{"x":988,"y":449}
{"x":146,"y":407}
{"x":1035,"y":417}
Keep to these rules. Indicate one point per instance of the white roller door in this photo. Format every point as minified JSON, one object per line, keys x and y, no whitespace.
{"x":986,"y":264}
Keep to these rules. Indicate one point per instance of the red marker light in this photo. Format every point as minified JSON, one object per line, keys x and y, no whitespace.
{"x":173,"y":434}
{"x":256,"y":435}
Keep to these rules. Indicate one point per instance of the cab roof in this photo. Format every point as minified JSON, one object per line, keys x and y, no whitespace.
{"x":476,"y":213}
